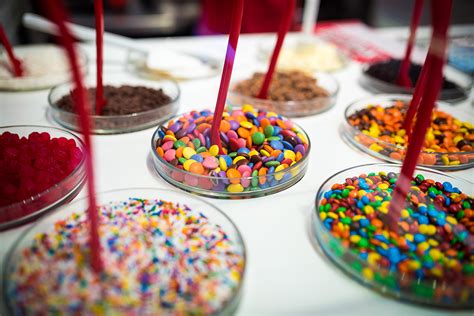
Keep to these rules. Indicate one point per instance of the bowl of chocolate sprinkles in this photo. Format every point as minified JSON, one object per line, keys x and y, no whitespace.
{"x":291,"y":93}
{"x":381,"y":77}
{"x":132,"y":104}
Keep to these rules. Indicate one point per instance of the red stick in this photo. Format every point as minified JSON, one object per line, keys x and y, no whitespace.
{"x":99,"y":34}
{"x":284,"y":27}
{"x":16,"y":63}
{"x":403,"y":77}
{"x":227,"y":71}
{"x":441,"y":12}
{"x":58,"y":15}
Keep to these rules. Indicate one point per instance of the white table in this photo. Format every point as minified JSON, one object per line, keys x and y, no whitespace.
{"x":285,"y":274}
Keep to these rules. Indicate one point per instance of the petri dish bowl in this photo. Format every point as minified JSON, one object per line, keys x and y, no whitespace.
{"x":39,"y":81}
{"x":136,"y":64}
{"x":293,"y":108}
{"x":391,"y":282}
{"x":218,"y":186}
{"x":117,"y":124}
{"x":462,"y":80}
{"x":395,"y":153}
{"x":129,"y":303}
{"x":30,"y":209}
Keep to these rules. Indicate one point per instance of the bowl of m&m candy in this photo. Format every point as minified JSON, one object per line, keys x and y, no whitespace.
{"x":428,"y":258}
{"x":163,"y":253}
{"x":262,"y":153}
{"x":375,"y":126}
{"x":41,"y":168}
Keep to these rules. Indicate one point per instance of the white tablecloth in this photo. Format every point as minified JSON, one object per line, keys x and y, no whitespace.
{"x":285,"y":274}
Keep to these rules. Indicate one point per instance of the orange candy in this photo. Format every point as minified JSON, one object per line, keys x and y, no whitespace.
{"x":196,"y":167}
{"x":233,"y":175}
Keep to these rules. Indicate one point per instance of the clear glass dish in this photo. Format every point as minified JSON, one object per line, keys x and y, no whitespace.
{"x":293,"y":108}
{"x":116,"y":124}
{"x":136,"y":64}
{"x":47,"y":201}
{"x":148,"y":304}
{"x":463,"y":81}
{"x":216,"y":187}
{"x":367,"y":143}
{"x":386,"y":281}
{"x":47,"y":80}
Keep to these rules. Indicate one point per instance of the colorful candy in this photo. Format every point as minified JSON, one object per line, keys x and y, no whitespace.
{"x":449,"y":142}
{"x":432,"y":253}
{"x":260,"y":150}
{"x":160,"y":258}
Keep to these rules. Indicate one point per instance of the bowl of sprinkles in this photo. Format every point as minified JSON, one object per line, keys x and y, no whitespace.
{"x":292,"y":93}
{"x":164,"y":252}
{"x":41,"y":168}
{"x":374,"y":125}
{"x":429,"y":260}
{"x":263,"y":153}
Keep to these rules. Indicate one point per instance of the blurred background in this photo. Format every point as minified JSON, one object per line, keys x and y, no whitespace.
{"x":159,"y":18}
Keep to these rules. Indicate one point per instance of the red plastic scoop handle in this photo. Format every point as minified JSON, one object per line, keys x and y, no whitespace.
{"x":234,"y":34}
{"x":284,"y":27}
{"x":99,"y":34}
{"x":58,"y":15}
{"x":16,"y":63}
{"x":440,"y":12}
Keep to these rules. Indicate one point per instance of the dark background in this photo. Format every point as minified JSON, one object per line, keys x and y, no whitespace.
{"x":157,"y":18}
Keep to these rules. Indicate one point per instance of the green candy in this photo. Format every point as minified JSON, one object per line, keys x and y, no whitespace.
{"x":255,"y":178}
{"x":179,"y":143}
{"x":196,"y":143}
{"x":258,"y":138}
{"x":345,"y":193}
{"x":182,"y":160}
{"x":272,"y":163}
{"x":269,"y":130}
{"x":346,"y":220}
{"x":363,"y":243}
{"x":201,"y":150}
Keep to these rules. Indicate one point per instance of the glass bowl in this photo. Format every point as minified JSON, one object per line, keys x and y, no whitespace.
{"x":200,"y":274}
{"x":395,"y":153}
{"x":461,"y":53}
{"x":463,"y":81}
{"x":47,"y":80}
{"x":137,"y":64}
{"x":42,"y":203}
{"x":385,"y":280}
{"x":116,"y":124}
{"x":219,"y":186}
{"x":293,"y":108}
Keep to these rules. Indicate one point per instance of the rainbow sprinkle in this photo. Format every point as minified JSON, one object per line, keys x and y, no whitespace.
{"x":159,"y":258}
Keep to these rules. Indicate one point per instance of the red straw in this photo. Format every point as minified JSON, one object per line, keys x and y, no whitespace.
{"x":16,"y":63}
{"x":99,"y":34}
{"x":58,"y":15}
{"x":284,"y":27}
{"x":227,"y":71}
{"x":403,"y":77}
{"x":441,"y":11}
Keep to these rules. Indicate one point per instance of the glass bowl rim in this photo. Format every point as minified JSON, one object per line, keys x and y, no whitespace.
{"x":402,"y":97}
{"x":298,"y":164}
{"x":173,"y":100}
{"x":239,"y":240}
{"x":314,"y":74}
{"x":77,"y":170}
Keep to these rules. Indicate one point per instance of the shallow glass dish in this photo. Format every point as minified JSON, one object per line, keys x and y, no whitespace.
{"x":49,"y":200}
{"x":41,"y":81}
{"x":462,"y":80}
{"x":136,"y":64}
{"x":216,"y":187}
{"x":367,"y":143}
{"x":116,"y":124}
{"x":47,"y":225}
{"x":386,"y":281}
{"x":293,"y":108}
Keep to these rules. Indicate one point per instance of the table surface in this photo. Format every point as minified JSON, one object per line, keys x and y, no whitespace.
{"x":286,"y":273}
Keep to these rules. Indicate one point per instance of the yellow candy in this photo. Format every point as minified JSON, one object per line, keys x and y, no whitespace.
{"x":333,"y":215}
{"x":253,"y":152}
{"x":368,"y":209}
{"x":188,"y":152}
{"x":409,"y":237}
{"x":322,"y":216}
{"x":383,"y":186}
{"x":373,"y":258}
{"x":435,"y":254}
{"x":248,"y":108}
{"x":437,"y":272}
{"x":170,"y":137}
{"x":423,"y":246}
{"x":214,"y":150}
{"x":246,"y":124}
{"x":433,"y":243}
{"x":445,"y":159}
{"x":451,"y":220}
{"x":414,"y":265}
{"x":368,"y":273}
{"x":354,"y":239}
{"x":279,"y":176}
{"x":405,"y":213}
{"x":238,"y":158}
{"x":187,"y":164}
{"x":222,"y":164}
{"x":288,"y":154}
{"x":235,"y":188}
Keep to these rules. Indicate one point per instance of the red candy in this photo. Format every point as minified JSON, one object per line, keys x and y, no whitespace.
{"x":29,"y":166}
